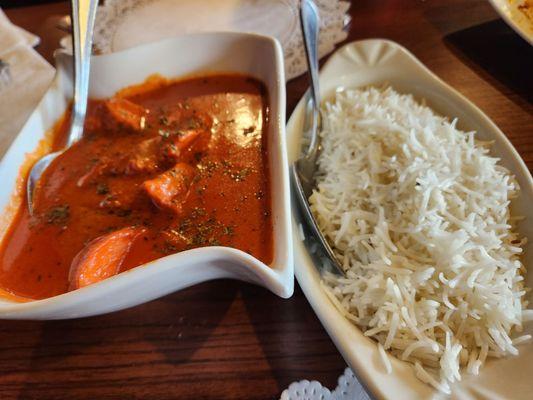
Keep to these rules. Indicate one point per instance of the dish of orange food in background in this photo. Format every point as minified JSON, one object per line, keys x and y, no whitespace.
{"x":518,"y":14}
{"x":163,"y":167}
{"x":526,"y":7}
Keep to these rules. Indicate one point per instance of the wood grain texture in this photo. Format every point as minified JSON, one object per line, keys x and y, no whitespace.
{"x":229,"y":340}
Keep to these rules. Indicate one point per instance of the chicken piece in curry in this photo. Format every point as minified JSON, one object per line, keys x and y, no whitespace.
{"x":162,"y":167}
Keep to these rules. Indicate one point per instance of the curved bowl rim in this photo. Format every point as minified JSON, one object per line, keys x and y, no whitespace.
{"x":277,"y":277}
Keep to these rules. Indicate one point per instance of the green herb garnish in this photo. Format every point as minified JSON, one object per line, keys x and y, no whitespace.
{"x":102,"y":188}
{"x":58,"y":215}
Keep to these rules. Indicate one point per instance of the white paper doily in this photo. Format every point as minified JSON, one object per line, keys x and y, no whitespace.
{"x":348,"y":388}
{"x":121,"y":24}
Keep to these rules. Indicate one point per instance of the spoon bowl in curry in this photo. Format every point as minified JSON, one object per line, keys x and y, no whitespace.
{"x":83,"y":14}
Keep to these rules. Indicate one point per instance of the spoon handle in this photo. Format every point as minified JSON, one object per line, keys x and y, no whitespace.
{"x":310,"y":22}
{"x":83,"y":14}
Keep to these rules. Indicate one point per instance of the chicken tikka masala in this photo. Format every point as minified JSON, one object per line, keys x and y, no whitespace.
{"x":162,"y":167}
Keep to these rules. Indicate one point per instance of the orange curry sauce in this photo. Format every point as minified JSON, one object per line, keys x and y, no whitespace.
{"x":163,"y":167}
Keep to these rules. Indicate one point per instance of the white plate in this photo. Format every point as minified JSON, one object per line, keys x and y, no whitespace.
{"x":206,"y":53}
{"x":515,"y":18}
{"x":377,"y":61}
{"x":121,"y":24}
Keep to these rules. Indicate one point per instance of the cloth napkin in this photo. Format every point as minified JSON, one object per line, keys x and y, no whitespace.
{"x":29,"y":78}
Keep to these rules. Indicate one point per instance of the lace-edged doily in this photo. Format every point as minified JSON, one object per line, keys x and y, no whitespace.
{"x":348,"y":388}
{"x":121,"y":24}
{"x":305,"y":390}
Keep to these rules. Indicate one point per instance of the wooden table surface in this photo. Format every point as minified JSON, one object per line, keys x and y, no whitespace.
{"x":230,"y":340}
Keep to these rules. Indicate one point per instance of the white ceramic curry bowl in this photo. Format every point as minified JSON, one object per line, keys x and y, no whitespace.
{"x":255,"y":55}
{"x":379,"y":62}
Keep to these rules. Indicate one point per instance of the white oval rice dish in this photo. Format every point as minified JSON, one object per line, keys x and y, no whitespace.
{"x":378,"y":62}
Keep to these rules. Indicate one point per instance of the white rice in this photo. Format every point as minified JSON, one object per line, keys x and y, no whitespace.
{"x":301,"y":232}
{"x":384,"y":359}
{"x":418,"y":214}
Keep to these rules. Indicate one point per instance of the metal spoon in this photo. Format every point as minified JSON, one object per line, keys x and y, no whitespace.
{"x":5,"y":74}
{"x":304,"y":169}
{"x":83,"y":13}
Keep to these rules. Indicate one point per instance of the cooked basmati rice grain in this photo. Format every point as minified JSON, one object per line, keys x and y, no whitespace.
{"x":522,"y":339}
{"x":426,"y":377}
{"x":301,"y":232}
{"x":417,"y":212}
{"x":385,"y":359}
